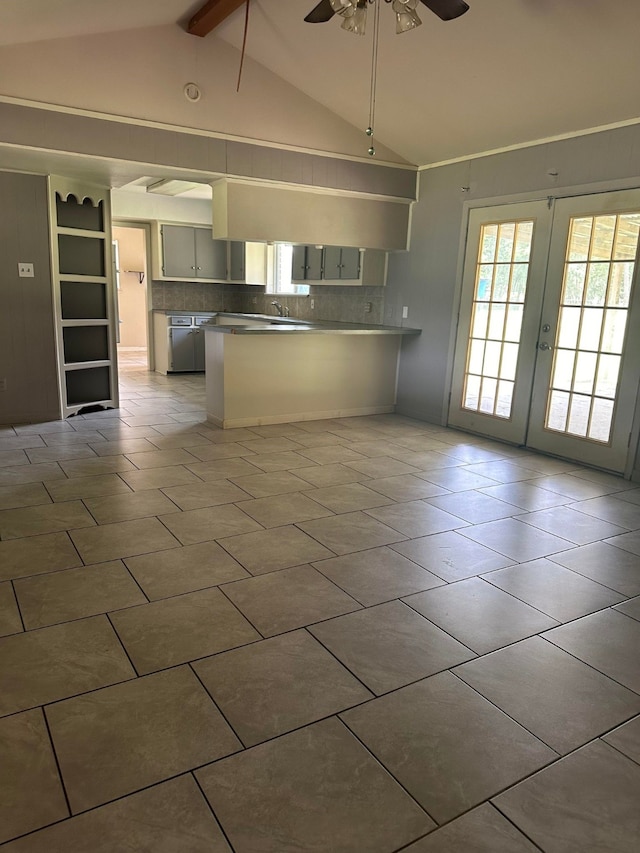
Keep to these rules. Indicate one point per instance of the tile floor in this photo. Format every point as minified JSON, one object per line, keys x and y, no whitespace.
{"x":360,"y":635}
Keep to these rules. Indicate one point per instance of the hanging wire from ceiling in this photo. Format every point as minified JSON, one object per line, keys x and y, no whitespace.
{"x":374,"y":79}
{"x":244,"y":43}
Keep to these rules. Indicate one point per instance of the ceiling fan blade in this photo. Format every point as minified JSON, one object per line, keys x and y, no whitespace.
{"x":320,"y":13}
{"x":447,"y":9}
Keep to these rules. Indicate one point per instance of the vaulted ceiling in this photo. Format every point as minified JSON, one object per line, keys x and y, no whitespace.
{"x":506,"y":73}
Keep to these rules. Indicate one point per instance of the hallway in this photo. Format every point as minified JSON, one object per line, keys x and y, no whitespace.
{"x":361,"y":635}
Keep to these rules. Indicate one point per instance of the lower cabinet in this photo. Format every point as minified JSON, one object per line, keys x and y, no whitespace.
{"x":178,"y":344}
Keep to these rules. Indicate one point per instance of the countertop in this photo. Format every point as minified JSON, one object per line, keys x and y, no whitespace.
{"x":259,"y":324}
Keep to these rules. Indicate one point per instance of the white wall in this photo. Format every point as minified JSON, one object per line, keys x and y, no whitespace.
{"x":132,"y":314}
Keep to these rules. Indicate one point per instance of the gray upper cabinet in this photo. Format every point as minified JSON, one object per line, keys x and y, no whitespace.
{"x":339,"y":265}
{"x":237,"y":266}
{"x":211,"y":255}
{"x":192,"y":253}
{"x":341,"y":262}
{"x":307,"y":263}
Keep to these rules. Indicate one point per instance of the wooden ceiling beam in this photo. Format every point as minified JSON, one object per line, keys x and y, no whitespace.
{"x":211,"y":15}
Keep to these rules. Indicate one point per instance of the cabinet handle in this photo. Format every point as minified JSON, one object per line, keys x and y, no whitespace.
{"x":199,"y":268}
{"x":192,"y":268}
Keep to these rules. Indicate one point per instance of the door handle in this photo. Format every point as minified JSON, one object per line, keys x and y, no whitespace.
{"x":543,"y":345}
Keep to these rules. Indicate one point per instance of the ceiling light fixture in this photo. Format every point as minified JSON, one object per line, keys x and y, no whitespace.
{"x":354,"y":13}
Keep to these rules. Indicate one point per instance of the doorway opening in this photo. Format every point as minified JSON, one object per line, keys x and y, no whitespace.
{"x":130,"y":255}
{"x":545,"y":354}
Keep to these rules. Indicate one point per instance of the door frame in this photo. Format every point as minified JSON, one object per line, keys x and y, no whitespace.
{"x":632,"y":467}
{"x":146,"y":227}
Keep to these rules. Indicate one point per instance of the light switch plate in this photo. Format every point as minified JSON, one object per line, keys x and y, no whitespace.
{"x":405,"y":312}
{"x":25,"y":270}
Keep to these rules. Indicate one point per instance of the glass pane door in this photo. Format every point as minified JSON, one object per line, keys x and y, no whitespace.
{"x":499,"y":315}
{"x":587,"y":369}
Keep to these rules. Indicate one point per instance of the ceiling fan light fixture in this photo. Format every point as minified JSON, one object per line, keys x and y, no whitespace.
{"x":355,"y":21}
{"x":406,"y":21}
{"x":343,"y":7}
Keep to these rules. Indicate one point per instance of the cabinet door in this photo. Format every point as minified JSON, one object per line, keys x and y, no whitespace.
{"x":299,"y":263}
{"x":211,"y":255}
{"x":181,"y":356}
{"x":237,"y":268}
{"x":314,"y":263}
{"x":349,"y":263}
{"x":198,"y":349}
{"x":332,"y":262}
{"x":178,"y":252}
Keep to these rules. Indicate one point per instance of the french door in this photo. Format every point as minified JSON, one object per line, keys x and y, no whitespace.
{"x":547,"y":355}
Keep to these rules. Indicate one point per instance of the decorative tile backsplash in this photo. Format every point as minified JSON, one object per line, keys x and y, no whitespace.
{"x":348,"y":304}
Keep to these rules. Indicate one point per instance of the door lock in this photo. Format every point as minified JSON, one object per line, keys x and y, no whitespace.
{"x":546,"y":328}
{"x":543,"y":345}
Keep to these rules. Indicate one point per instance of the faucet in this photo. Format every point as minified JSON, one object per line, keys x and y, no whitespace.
{"x":278,"y":308}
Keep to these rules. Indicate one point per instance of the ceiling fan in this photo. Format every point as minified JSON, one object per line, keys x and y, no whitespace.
{"x":406,"y":16}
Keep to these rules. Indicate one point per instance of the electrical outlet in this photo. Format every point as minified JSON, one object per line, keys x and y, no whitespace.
{"x":3,"y":384}
{"x":254,"y":300}
{"x":367,"y":308}
{"x":313,"y":304}
{"x":25,"y":270}
{"x":390,"y":312}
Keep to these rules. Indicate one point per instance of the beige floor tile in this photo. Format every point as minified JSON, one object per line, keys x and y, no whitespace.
{"x":451,"y":556}
{"x":60,"y":452}
{"x":159,"y":478}
{"x":350,"y":497}
{"x":36,"y":555}
{"x":285,"y":460}
{"x":169,"y":817}
{"x":288,"y":599}
{"x":278,"y":548}
{"x":561,"y":700}
{"x":588,"y":801}
{"x":277,"y":444}
{"x":123,"y":539}
{"x":120,"y":448}
{"x":480,"y":616}
{"x":10,"y":621}
{"x":278,"y":510}
{"x":29,"y":494}
{"x":222,"y":469}
{"x":329,"y":454}
{"x":406,"y":487}
{"x":10,"y":441}
{"x":330,"y":475}
{"x":377,"y":575}
{"x":93,"y":467}
{"x":205,"y":494}
{"x":626,"y":739}
{"x":161,"y":458}
{"x":389,"y":646}
{"x":181,"y":629}
{"x":383,"y":466}
{"x":556,"y":591}
{"x":609,"y":566}
{"x":299,"y":790}
{"x":46,"y":518}
{"x":608,"y":641}
{"x":31,"y":794}
{"x":417,"y":518}
{"x":203,"y":525}
{"x":138,"y":733}
{"x":277,"y":483}
{"x":447,"y":746}
{"x":482,"y":830}
{"x":86,"y":487}
{"x":76,"y":593}
{"x":352,"y":531}
{"x":43,"y":666}
{"x":577,"y":527}
{"x":186,"y":569}
{"x":112,"y":508}
{"x":516,"y":540}
{"x":210,"y":452}
{"x":277,"y":685}
{"x":18,"y":474}
{"x":13,"y":458}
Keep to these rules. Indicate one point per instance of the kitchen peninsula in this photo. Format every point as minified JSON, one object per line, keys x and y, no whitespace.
{"x":266,"y":370}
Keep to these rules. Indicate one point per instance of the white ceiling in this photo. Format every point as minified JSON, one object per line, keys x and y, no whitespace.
{"x":506,"y":73}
